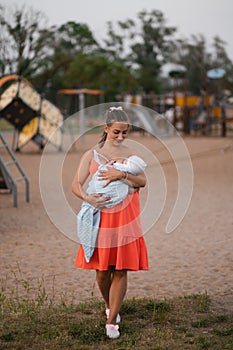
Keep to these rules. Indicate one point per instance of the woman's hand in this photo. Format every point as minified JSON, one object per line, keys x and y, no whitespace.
{"x":97,"y":200}
{"x":111,"y":174}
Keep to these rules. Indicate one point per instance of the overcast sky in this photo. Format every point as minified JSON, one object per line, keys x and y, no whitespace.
{"x":207,"y":17}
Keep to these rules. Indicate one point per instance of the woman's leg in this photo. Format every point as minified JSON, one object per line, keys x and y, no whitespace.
{"x":104,"y":279}
{"x":117,"y":293}
{"x":112,"y":285}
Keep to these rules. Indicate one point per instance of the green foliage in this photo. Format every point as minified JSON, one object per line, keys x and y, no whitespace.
{"x":96,"y":72}
{"x":73,"y":38}
{"x":40,"y":322}
{"x":149,"y":43}
{"x":129,"y":61}
{"x":152,"y":51}
{"x":23,"y":40}
{"x":194,"y":55}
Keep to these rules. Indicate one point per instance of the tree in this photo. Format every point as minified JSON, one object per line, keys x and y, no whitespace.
{"x":97,"y":72}
{"x":73,"y":38}
{"x":194,"y":55}
{"x":117,"y":44}
{"x":23,"y":40}
{"x":69,"y":41}
{"x":147,"y":46}
{"x":220,"y":59}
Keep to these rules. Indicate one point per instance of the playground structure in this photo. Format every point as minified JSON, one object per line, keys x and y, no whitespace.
{"x":140,"y":119}
{"x":84,"y":118}
{"x":75,"y":100}
{"x":185,"y":110}
{"x":204,"y":114}
{"x":34,"y":118}
{"x":11,"y":172}
{"x":79,"y":96}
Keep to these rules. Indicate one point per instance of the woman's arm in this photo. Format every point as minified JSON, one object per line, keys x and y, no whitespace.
{"x":136,"y":180}
{"x":80,"y":178}
{"x":112,"y":174}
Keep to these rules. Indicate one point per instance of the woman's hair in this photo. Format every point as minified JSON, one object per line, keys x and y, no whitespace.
{"x":113,"y":115}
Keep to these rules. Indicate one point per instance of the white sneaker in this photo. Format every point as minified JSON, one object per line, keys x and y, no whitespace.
{"x":112,"y":331}
{"x":118,"y":318}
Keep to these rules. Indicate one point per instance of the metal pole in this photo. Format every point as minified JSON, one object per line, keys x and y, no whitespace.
{"x":82,"y":116}
{"x":223,"y":120}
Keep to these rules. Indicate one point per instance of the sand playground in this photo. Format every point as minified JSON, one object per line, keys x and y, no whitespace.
{"x":197,"y":257}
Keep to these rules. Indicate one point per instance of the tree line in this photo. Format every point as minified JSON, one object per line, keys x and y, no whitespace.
{"x":130,"y":59}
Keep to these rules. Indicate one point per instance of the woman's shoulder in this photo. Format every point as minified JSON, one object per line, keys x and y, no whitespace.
{"x":91,"y":151}
{"x":88,"y":155}
{"x":99,"y":156}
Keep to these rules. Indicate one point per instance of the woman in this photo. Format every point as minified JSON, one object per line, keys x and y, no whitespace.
{"x":120,"y":245}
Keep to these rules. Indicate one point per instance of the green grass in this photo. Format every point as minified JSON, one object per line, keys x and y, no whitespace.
{"x":176,"y":324}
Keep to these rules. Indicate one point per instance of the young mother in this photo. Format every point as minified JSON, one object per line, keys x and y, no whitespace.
{"x":120,"y":244}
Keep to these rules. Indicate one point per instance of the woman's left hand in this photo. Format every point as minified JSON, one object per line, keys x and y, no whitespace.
{"x":111,"y":174}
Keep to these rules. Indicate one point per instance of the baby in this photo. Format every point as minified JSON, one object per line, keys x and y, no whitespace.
{"x":116,"y":190}
{"x":88,"y":217}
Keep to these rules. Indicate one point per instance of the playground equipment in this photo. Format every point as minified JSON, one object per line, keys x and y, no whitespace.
{"x":33,"y":117}
{"x":145,"y":119}
{"x":80,"y":93}
{"x":142,"y":118}
{"x":81,"y":101}
{"x":9,"y":178}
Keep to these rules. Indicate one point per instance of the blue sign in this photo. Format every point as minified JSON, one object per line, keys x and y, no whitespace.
{"x":216,"y":73}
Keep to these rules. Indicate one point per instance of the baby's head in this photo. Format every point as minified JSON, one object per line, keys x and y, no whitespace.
{"x":119,"y":160}
{"x":136,"y":164}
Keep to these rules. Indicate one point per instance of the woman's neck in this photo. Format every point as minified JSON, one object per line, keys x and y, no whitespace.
{"x":109,"y":150}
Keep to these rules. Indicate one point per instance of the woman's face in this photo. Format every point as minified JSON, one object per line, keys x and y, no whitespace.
{"x":117,"y":132}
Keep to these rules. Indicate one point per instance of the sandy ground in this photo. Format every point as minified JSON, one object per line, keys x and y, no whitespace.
{"x":195,"y":258}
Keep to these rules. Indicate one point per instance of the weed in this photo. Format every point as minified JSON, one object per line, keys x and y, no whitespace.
{"x":36,"y":321}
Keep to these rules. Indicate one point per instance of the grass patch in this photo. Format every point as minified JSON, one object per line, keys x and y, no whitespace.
{"x":174,"y":324}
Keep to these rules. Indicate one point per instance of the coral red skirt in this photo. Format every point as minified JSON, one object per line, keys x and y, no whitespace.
{"x":120,"y":241}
